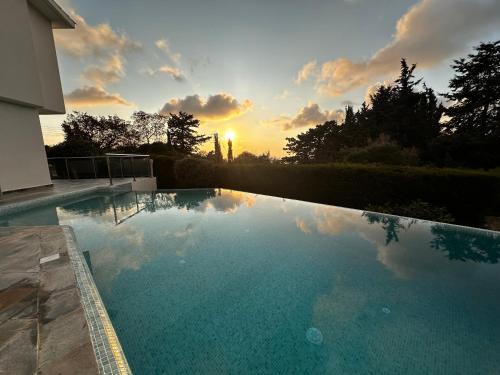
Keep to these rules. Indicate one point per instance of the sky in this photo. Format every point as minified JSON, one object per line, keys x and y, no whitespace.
{"x":261,"y":69}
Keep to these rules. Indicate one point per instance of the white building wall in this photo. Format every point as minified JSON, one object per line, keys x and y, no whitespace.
{"x":46,"y":63}
{"x":19,"y":80}
{"x":23,"y":162}
{"x":29,"y":85}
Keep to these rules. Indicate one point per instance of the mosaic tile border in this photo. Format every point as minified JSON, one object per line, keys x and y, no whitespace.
{"x":108,"y":351}
{"x":17,"y":207}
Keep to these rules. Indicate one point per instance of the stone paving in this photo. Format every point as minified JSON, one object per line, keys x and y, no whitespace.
{"x":59,"y":187}
{"x":43,"y":328}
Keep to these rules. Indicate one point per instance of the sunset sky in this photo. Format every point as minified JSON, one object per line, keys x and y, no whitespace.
{"x":265,"y":69}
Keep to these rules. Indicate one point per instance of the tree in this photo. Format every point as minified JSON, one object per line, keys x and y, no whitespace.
{"x":318,"y":144}
{"x":182,"y":133}
{"x":150,"y":126}
{"x":409,"y":116}
{"x":229,"y":151}
{"x":352,"y":130}
{"x":143,"y":125}
{"x":475,"y":93}
{"x":217,"y":150}
{"x":249,"y":158}
{"x":159,"y":126}
{"x":101,"y":134}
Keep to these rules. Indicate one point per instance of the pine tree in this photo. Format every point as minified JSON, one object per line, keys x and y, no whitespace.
{"x":217,"y":150}
{"x":475,"y":93}
{"x":182,"y":131}
{"x":229,"y":151}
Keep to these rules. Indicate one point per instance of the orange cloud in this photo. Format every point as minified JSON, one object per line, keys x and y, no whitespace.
{"x":90,"y":96}
{"x":216,"y":108}
{"x":164,"y":45}
{"x":86,"y":40}
{"x":308,"y":115}
{"x":428,"y":34}
{"x":111,"y":72}
{"x":307,"y":71}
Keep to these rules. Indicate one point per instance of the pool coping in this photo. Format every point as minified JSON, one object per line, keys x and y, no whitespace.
{"x":17,"y":207}
{"x":108,"y":352}
{"x":107,"y":349}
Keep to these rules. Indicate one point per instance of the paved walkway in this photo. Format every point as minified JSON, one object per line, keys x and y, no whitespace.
{"x":42,"y":322}
{"x":59,"y":187}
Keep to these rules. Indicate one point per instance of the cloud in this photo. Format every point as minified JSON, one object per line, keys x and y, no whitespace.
{"x":431,"y":32}
{"x":228,"y":202}
{"x":175,"y":73}
{"x":86,"y":40}
{"x":372,"y":89}
{"x":284,"y":95}
{"x":302,"y":225}
{"x":305,"y":72}
{"x":164,"y":45}
{"x":111,"y":72}
{"x":348,"y":102}
{"x":217,"y":107}
{"x":309,"y":115}
{"x":89,"y":96}
{"x":106,"y":49}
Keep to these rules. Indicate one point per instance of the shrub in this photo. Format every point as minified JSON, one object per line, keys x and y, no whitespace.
{"x":417,"y":209}
{"x":164,"y":170}
{"x":389,"y":154}
{"x":196,"y":173}
{"x":468,"y":196}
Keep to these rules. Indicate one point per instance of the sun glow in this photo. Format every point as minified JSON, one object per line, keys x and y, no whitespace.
{"x":229,"y":135}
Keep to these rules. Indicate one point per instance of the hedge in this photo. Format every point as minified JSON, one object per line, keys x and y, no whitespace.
{"x":468,"y":195}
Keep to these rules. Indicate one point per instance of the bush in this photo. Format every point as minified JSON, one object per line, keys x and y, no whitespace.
{"x":467,"y":195}
{"x":196,"y":173}
{"x":417,"y":209}
{"x":164,"y":170}
{"x":389,"y":154}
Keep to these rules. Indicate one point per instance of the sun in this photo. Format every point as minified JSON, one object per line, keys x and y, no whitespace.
{"x":230,"y":135}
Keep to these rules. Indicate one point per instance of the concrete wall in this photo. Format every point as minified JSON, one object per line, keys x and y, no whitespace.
{"x":29,"y":74}
{"x":23,"y":162}
{"x":19,"y":79}
{"x":29,"y":86}
{"x":46,"y":64}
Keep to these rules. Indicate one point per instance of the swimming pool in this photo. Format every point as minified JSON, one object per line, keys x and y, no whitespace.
{"x":218,"y":281}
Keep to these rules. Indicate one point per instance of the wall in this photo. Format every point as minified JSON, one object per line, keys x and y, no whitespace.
{"x":23,"y":162}
{"x":46,"y":64}
{"x":19,"y":80}
{"x":29,"y":86}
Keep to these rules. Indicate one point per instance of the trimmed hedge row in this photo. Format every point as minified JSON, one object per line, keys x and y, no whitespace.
{"x":468,"y":195}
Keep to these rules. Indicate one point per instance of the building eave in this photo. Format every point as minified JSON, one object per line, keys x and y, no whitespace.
{"x":53,"y":12}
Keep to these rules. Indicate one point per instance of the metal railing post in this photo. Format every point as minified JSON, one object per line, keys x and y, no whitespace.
{"x":109,"y":170}
{"x":133,"y":171}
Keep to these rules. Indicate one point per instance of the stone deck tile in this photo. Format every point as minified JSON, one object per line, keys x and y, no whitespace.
{"x":42,"y":323}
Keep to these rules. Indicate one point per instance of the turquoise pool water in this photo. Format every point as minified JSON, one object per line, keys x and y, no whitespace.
{"x":224,"y":282}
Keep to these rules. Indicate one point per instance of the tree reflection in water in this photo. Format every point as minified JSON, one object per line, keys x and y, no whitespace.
{"x":391,"y":224}
{"x":188,"y":199}
{"x":465,"y":244}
